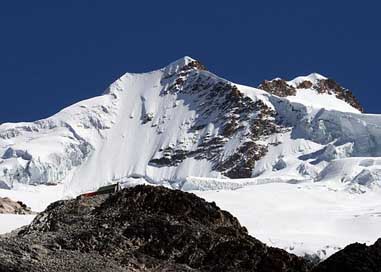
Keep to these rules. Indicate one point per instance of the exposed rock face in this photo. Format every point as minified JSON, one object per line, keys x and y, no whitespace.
{"x":283,"y":88}
{"x":331,"y":87}
{"x":354,"y":258}
{"x":15,"y":207}
{"x":190,"y":122}
{"x":278,"y":87}
{"x":194,"y":64}
{"x":140,"y":229}
{"x":222,"y":104}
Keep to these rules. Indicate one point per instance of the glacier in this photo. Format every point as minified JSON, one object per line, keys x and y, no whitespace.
{"x":186,"y":128}
{"x":142,"y":120}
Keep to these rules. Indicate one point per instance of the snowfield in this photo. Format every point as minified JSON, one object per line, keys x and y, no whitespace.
{"x":312,"y":99}
{"x":10,"y":222}
{"x":312,"y":162}
{"x":35,"y":197}
{"x":307,"y":218}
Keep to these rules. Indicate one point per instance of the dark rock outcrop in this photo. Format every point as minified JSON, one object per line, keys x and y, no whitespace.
{"x":332,"y":87}
{"x":278,"y":87}
{"x":156,"y":229}
{"x":282,"y":88}
{"x":140,"y":229}
{"x":354,"y":258}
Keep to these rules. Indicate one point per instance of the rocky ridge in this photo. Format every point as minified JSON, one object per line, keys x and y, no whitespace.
{"x":140,"y":229}
{"x":221,"y":103}
{"x":147,"y":228}
{"x":354,"y":258}
{"x":283,"y":88}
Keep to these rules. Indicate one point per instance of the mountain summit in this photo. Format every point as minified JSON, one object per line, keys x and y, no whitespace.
{"x":307,"y":87}
{"x":184,"y":127}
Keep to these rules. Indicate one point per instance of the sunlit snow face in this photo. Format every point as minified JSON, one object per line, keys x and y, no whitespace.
{"x":184,"y":127}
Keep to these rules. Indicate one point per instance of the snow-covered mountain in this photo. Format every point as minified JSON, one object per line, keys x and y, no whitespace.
{"x":184,"y":127}
{"x":305,"y":144}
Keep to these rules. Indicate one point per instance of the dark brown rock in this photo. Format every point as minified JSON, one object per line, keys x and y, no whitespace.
{"x":354,"y":258}
{"x":281,"y":88}
{"x":305,"y":85}
{"x":194,"y":64}
{"x":140,"y":229}
{"x":332,"y":87}
{"x":221,"y":103}
{"x":278,"y":87}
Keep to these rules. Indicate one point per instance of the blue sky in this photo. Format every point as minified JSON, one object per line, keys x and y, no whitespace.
{"x":55,"y":53}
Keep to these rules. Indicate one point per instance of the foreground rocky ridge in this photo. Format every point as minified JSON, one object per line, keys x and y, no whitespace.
{"x":139,"y":229}
{"x":355,"y":257}
{"x":155,"y":229}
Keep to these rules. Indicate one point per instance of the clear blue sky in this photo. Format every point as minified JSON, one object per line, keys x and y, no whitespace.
{"x":55,"y":53}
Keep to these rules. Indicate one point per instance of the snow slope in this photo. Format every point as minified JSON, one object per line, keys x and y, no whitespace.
{"x":177,"y":113}
{"x":308,"y":218}
{"x":131,"y":131}
{"x":36,"y":197}
{"x":311,"y":98}
{"x":302,"y":142}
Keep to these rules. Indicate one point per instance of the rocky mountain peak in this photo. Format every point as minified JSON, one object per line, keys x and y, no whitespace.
{"x":185,"y":122}
{"x":220,"y":104}
{"x":183,"y":64}
{"x":314,"y":81}
{"x":278,"y":87}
